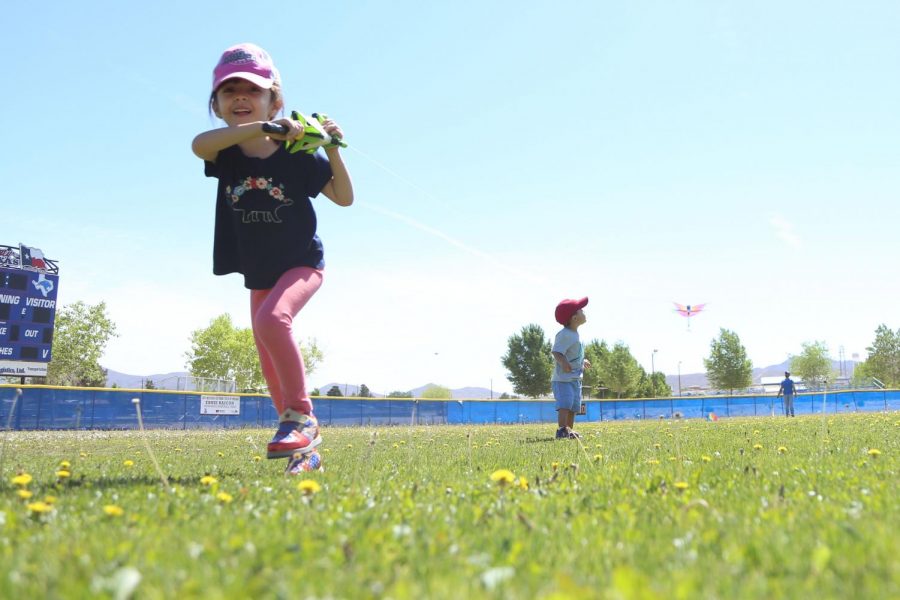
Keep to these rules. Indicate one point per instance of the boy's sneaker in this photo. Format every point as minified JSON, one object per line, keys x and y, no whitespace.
{"x":574,"y":435}
{"x":562,"y":433}
{"x":304,"y":463}
{"x":293,"y":436}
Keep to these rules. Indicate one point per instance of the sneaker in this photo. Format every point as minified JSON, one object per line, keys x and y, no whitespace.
{"x":294,"y":437}
{"x":574,"y":435}
{"x":562,"y":433}
{"x":304,"y":463}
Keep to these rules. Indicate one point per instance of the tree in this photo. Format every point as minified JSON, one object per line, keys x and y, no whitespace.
{"x":813,"y":364}
{"x":364,"y":391}
{"x":620,"y":371}
{"x":883,"y":361}
{"x":223,"y":351}
{"x":529,"y":362}
{"x":596,"y":353}
{"x":315,"y":392}
{"x":728,"y":367}
{"x":396,"y":394}
{"x":437,"y":392}
{"x":149,"y":385}
{"x":80,"y":335}
{"x":654,"y":385}
{"x":334,"y":392}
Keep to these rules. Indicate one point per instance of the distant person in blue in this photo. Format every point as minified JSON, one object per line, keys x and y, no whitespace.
{"x":788,"y":389}
{"x":568,"y":352}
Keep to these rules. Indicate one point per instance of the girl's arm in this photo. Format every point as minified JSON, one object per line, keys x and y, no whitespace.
{"x":340,"y":189}
{"x":208,"y":144}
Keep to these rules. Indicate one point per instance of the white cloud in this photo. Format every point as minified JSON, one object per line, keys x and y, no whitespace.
{"x":784,"y":230}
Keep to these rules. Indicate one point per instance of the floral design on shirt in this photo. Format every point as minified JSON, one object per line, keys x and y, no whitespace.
{"x":258,"y":200}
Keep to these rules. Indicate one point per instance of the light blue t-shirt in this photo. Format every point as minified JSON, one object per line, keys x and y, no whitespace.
{"x":569,"y":345}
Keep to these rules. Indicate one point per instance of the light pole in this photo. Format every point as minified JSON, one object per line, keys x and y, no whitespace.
{"x":679,"y":379}
{"x":653,"y":372}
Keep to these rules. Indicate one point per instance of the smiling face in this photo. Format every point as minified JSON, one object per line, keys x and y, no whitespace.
{"x":239,"y":101}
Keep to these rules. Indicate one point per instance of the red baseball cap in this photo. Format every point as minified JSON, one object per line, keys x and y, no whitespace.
{"x":246,"y":61}
{"x":567,"y":308}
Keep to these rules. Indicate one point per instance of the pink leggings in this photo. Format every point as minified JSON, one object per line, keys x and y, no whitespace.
{"x":272,"y":312}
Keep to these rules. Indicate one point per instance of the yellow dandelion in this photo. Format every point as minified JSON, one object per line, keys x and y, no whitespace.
{"x":681,"y":485}
{"x":502,"y":476}
{"x":873,"y":452}
{"x":652,"y":461}
{"x":65,"y":465}
{"x":598,"y":457}
{"x":554,"y":465}
{"x":396,"y":445}
{"x":220,"y":454}
{"x":128,"y":463}
{"x":208,"y":480}
{"x":63,"y":474}
{"x":402,"y":442}
{"x":673,"y":458}
{"x":656,"y":446}
{"x":24,"y":494}
{"x":50,"y":499}
{"x":224,"y":497}
{"x":112,"y":510}
{"x":705,"y":458}
{"x":257,"y":458}
{"x":756,"y":432}
{"x":782,"y":449}
{"x":82,"y":454}
{"x":757,"y":446}
{"x":309,"y":487}
{"x":349,"y":446}
{"x":326,"y":450}
{"x":39,"y":508}
{"x":178,"y":450}
{"x":22,"y":479}
{"x":523,"y":483}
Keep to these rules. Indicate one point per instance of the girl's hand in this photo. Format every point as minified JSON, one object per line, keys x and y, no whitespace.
{"x":295,"y":130}
{"x":332,"y":129}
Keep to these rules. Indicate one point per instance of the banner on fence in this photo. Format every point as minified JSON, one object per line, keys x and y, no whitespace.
{"x":22,"y":369}
{"x":220,"y":405}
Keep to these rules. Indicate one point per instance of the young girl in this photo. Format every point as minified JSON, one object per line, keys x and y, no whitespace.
{"x":266,"y":229}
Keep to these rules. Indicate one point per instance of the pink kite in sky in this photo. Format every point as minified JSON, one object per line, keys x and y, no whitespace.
{"x":688,"y":310}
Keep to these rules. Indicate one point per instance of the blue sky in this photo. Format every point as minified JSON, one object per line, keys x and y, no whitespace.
{"x":505,"y":155}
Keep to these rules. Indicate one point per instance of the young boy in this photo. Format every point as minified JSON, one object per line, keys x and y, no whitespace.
{"x":570,"y":364}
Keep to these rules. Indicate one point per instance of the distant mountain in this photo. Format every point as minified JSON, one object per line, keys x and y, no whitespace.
{"x":182,"y":380}
{"x":176,"y":380}
{"x":699,"y":379}
{"x":464,"y":393}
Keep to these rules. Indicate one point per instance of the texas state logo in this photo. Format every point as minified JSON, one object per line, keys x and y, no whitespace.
{"x":257,"y":200}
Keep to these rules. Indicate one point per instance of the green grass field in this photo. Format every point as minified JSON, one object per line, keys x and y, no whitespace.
{"x":740,"y":508}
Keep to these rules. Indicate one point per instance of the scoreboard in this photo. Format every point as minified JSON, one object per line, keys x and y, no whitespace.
{"x":27,"y":313}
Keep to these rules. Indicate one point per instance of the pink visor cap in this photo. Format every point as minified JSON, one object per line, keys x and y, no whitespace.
{"x":246,"y":61}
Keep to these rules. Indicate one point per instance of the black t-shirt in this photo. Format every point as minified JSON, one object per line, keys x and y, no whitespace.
{"x":265,"y":222}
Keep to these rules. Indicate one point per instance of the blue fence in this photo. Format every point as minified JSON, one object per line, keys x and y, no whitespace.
{"x":46,"y":407}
